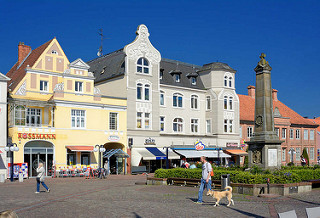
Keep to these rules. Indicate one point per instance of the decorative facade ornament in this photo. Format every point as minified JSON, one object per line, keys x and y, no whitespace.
{"x":59,"y":87}
{"x":142,"y":47}
{"x":22,"y":90}
{"x":90,"y":74}
{"x":96,"y":91}
{"x":67,"y":71}
{"x":256,"y":157}
{"x":262,"y":64}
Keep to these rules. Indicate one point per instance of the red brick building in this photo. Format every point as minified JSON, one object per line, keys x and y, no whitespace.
{"x":296,"y":131}
{"x":317,"y":122}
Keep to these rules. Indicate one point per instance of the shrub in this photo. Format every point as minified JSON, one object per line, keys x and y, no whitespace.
{"x":305,"y":155}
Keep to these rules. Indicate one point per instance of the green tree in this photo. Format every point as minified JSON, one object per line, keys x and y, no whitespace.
{"x":305,"y":155}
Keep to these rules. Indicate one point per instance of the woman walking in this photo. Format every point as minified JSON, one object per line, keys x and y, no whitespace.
{"x":40,"y":178}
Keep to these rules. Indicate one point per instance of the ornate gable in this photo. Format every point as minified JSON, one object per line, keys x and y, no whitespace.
{"x":142,"y":47}
{"x":79,"y":64}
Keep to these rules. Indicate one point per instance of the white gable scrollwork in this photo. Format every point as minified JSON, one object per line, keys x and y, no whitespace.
{"x":59,"y":87}
{"x":67,"y":71}
{"x":142,"y":47}
{"x":90,"y":74}
{"x":96,"y":91}
{"x":22,"y":89}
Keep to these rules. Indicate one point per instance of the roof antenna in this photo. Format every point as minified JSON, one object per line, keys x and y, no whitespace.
{"x":100,"y":53}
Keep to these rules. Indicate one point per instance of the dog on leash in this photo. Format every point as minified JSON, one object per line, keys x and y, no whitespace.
{"x":219,"y":195}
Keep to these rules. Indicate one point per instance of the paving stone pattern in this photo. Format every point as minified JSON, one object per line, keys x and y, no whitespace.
{"x":120,"y":196}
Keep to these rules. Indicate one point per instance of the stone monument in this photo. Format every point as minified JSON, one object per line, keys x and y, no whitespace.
{"x":265,"y":146}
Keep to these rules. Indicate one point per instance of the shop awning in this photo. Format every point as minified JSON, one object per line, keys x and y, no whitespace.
{"x":115,"y":152}
{"x":80,"y":148}
{"x":237,"y":152}
{"x":171,"y":154}
{"x":150,"y":153}
{"x":198,"y":154}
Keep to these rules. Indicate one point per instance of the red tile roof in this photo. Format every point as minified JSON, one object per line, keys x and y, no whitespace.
{"x":317,"y":122}
{"x":17,"y":75}
{"x":247,"y":105}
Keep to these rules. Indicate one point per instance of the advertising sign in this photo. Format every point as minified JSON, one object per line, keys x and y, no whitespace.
{"x":199,"y":146}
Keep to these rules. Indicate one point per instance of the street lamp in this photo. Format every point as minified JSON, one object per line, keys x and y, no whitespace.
{"x":11,"y":147}
{"x":100,"y":149}
{"x":291,"y":152}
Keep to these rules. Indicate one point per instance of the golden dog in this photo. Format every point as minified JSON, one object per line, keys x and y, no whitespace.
{"x":219,"y":195}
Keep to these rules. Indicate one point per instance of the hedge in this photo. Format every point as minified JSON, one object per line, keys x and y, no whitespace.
{"x":238,"y":176}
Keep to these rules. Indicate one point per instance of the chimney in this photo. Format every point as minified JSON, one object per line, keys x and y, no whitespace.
{"x":23,"y":51}
{"x":252,"y":91}
{"x":275,"y":94}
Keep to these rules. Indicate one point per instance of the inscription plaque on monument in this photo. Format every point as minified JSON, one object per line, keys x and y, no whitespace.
{"x":272,"y":157}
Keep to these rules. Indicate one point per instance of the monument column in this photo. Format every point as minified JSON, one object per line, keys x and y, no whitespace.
{"x":265,"y":146}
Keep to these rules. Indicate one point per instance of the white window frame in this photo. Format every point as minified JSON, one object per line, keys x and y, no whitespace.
{"x":194,"y":102}
{"x":178,"y":124}
{"x":298,"y":153}
{"x":230,"y":81}
{"x":177,"y":78}
{"x":193,"y":80}
{"x":284,"y":153}
{"x":225,"y":102}
{"x":143,"y":66}
{"x":208,"y":123}
{"x":249,"y":132}
{"x":177,"y":95}
{"x":277,"y":131}
{"x":111,"y":119}
{"x":147,"y":87}
{"x":19,"y":119}
{"x":284,"y":133}
{"x":162,"y":122}
{"x":78,"y":85}
{"x":77,"y":118}
{"x":208,"y":102}
{"x":44,"y":85}
{"x":162,"y":96}
{"x":305,"y":134}
{"x":297,"y":133}
{"x":231,"y":126}
{"x":225,"y":126}
{"x":143,"y":119}
{"x":194,"y":125}
{"x":147,"y":119}
{"x":311,"y":134}
{"x":143,"y":86}
{"x":291,"y":133}
{"x":139,"y":86}
{"x":37,"y":116}
{"x":230,"y":103}
{"x":311,"y":153}
{"x":225,"y":81}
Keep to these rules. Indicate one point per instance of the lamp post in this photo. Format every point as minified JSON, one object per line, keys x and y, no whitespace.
{"x":11,"y":147}
{"x":100,"y":149}
{"x":291,"y":152}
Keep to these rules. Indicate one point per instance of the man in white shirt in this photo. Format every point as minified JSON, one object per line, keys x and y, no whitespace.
{"x":206,"y":178}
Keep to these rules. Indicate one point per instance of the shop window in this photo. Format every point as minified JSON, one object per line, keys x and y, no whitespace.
{"x":113,"y":121}
{"x":71,"y":157}
{"x":79,"y":86}
{"x":194,"y":102}
{"x":78,"y":118}
{"x":85,"y":158}
{"x":44,"y":86}
{"x":20,"y":115}
{"x":33,"y":117}
{"x":178,"y":125}
{"x":194,"y":125}
{"x":143,"y":66}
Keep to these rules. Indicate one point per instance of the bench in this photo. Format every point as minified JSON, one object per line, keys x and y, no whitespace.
{"x":138,"y":170}
{"x":191,"y":182}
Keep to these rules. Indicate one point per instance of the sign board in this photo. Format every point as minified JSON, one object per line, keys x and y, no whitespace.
{"x":199,"y":146}
{"x":36,"y":136}
{"x":114,"y":138}
{"x":149,"y":141}
{"x":272,"y":157}
{"x":232,"y":144}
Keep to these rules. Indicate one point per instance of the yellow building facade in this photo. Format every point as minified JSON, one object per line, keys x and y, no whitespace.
{"x":56,"y":115}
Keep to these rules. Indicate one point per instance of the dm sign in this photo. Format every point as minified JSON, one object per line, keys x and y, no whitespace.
{"x":199,"y":146}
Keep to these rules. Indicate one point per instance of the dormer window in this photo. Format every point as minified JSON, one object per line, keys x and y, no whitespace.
{"x":54,"y":52}
{"x":193,"y":80}
{"x":161,"y":73}
{"x":143,"y":66}
{"x":177,"y":78}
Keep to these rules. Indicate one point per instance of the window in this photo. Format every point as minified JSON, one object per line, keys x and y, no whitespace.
{"x":193,"y":80}
{"x":147,"y":120}
{"x":146,"y":92}
{"x":208,"y":106}
{"x":161,"y":124}
{"x":71,"y":157}
{"x":225,"y":103}
{"x":161,"y":97}
{"x":225,"y":81}
{"x":20,"y":115}
{"x":139,"y":120}
{"x":225,"y":126}
{"x":297,"y":133}
{"x":249,"y":131}
{"x":284,"y":154}
{"x":113,"y":121}
{"x":291,"y":133}
{"x":240,"y":131}
{"x":230,"y":103}
{"x":230,"y":81}
{"x":139,"y":91}
{"x":177,"y":77}
{"x":177,"y":100}
{"x":78,"y":118}
{"x":194,"y":102}
{"x":85,"y":158}
{"x":283,"y":133}
{"x":311,"y":134}
{"x":43,"y":86}
{"x":143,"y":66}
{"x":277,"y":131}
{"x":54,"y":52}
{"x":194,"y":125}
{"x":305,"y":134}
{"x":311,"y":153}
{"x":208,"y":124}
{"x":33,"y":117}
{"x":79,"y":86}
{"x":298,"y":154}
{"x":161,"y":74}
{"x":230,"y":126}
{"x":177,"y":125}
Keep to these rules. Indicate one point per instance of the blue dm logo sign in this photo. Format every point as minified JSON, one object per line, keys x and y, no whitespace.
{"x":199,"y":146}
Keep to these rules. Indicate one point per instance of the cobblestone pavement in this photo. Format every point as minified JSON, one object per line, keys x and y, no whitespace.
{"x":122,"y":196}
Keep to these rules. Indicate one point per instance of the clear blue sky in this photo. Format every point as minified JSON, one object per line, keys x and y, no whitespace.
{"x":197,"y":32}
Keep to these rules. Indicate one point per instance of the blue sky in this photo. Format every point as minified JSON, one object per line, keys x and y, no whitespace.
{"x":198,"y":32}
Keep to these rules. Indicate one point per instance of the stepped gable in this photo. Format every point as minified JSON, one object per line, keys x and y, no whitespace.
{"x":17,"y":72}
{"x":247,"y":104}
{"x":108,"y":66}
{"x":186,"y":70}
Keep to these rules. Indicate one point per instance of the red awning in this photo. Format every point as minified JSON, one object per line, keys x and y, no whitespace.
{"x":80,"y":148}
{"x":0,"y":151}
{"x":237,"y":152}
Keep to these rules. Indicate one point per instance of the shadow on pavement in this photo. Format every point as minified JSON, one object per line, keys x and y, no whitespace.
{"x":308,"y":202}
{"x":246,"y":213}
{"x":137,"y":215}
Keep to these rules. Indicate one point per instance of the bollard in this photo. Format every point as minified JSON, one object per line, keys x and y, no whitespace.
{"x":268,"y":185}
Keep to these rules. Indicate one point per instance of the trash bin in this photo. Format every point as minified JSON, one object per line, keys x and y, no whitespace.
{"x":225,"y":181}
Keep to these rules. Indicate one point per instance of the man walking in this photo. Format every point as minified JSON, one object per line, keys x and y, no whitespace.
{"x":206,"y":178}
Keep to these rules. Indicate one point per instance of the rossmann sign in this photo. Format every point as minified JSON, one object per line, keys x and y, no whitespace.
{"x":36,"y":136}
